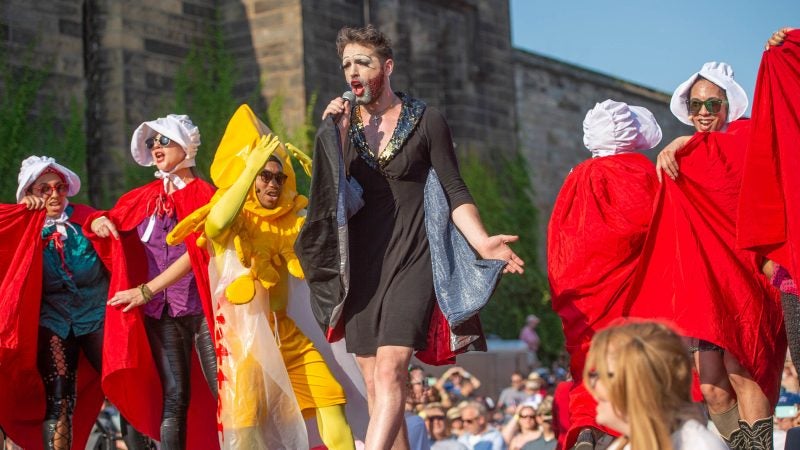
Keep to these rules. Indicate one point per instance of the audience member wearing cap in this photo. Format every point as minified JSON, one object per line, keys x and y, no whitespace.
{"x":692,"y":271}
{"x":54,"y":291}
{"x":438,"y":424}
{"x":152,"y":320}
{"x":595,"y":236}
{"x":640,"y":374}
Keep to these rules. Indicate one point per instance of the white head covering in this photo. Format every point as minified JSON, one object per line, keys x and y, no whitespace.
{"x":719,"y":73}
{"x":33,"y":166}
{"x":615,"y":127}
{"x":178,"y":127}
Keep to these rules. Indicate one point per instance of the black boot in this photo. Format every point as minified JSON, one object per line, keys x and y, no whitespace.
{"x":752,"y":437}
{"x":173,"y":434}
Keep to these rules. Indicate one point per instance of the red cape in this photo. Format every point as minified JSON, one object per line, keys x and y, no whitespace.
{"x":768,"y":220}
{"x":595,"y":236}
{"x":690,"y":272}
{"x":22,"y":397}
{"x":130,"y":379}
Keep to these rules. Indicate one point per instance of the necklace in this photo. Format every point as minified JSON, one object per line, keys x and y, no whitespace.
{"x":376,"y":118}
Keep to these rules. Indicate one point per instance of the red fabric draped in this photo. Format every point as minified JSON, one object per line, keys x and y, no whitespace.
{"x":768,"y":220}
{"x":690,"y":272}
{"x":130,"y":379}
{"x":596,"y":234}
{"x":22,"y":398}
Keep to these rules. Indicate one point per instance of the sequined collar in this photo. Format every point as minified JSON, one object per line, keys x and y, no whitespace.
{"x":410,"y":115}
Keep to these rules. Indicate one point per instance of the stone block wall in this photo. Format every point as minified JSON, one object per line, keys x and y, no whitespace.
{"x":552,"y":98}
{"x":455,"y":55}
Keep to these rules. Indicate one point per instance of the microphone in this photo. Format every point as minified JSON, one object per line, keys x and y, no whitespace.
{"x":348,"y":96}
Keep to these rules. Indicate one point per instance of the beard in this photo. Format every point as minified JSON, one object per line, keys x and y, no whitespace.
{"x":372,"y":90}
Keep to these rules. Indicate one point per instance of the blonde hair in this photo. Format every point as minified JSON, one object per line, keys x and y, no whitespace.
{"x":650,"y":386}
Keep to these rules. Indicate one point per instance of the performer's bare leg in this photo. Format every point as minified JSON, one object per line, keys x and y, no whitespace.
{"x":385,"y":376}
{"x":714,"y":382}
{"x":753,"y":404}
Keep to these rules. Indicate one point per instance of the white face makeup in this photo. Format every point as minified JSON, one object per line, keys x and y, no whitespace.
{"x":364,"y":73}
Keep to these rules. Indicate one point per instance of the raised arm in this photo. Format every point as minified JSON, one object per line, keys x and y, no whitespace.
{"x":226,"y":209}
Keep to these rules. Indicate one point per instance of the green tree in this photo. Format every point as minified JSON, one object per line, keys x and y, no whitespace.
{"x":29,"y":125}
{"x":503,"y":194}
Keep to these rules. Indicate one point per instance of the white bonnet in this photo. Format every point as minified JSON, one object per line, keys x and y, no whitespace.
{"x":719,"y":73}
{"x":178,"y":127}
{"x":613,"y":127}
{"x":33,"y":166}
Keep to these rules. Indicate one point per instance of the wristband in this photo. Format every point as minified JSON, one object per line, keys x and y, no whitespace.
{"x":147,"y":294}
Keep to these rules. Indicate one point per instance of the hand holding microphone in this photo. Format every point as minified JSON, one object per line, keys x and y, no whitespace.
{"x":340,"y":106}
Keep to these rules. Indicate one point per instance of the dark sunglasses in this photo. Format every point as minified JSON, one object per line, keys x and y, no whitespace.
{"x":593,"y":376}
{"x":45,"y":190}
{"x":532,"y":416}
{"x":432,"y":418}
{"x":267,"y":176}
{"x":163,"y":141}
{"x":713,"y":105}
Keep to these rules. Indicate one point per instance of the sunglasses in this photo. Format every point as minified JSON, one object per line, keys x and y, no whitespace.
{"x":162,"y":140}
{"x":713,"y":105}
{"x":469,"y":421}
{"x":267,"y":176}
{"x":46,"y":190}
{"x":432,"y":418}
{"x":593,"y":376}
{"x":532,"y":416}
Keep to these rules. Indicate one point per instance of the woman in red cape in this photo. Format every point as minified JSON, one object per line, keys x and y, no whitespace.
{"x":51,"y":317}
{"x":692,"y":274}
{"x":595,"y":237}
{"x":150,"y":372}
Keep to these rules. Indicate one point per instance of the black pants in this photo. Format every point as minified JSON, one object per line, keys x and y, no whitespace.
{"x":171,"y":339}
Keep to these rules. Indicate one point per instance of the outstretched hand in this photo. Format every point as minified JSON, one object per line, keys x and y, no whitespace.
{"x":496,"y":247}
{"x":131,"y":298}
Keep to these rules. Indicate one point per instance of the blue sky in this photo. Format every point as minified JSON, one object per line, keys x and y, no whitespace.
{"x":656,"y":44}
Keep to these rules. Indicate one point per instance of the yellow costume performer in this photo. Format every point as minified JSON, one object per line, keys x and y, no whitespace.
{"x":251,"y":258}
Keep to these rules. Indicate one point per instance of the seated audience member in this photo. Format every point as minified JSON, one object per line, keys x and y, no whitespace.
{"x":522,"y":427}
{"x":640,"y":375}
{"x":544,"y":418}
{"x":478,"y":435}
{"x":438,"y":425}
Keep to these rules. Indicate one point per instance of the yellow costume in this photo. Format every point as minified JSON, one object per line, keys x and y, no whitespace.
{"x":252,"y":256}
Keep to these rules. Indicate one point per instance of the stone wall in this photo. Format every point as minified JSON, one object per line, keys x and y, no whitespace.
{"x":552,"y":98}
{"x":121,"y":57}
{"x":456,"y":55}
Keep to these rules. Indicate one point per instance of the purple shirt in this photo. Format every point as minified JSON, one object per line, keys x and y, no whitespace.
{"x":182,"y":298}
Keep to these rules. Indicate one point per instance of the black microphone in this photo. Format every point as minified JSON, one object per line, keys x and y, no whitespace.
{"x":348,"y":96}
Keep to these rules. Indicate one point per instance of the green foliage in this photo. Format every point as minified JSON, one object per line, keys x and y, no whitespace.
{"x":302,"y":137}
{"x":29,"y":125}
{"x":204,"y":89}
{"x":503,"y":194}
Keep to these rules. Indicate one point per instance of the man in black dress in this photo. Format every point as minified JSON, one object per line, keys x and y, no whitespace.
{"x":390,"y":142}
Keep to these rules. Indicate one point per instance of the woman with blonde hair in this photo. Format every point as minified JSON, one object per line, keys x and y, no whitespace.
{"x":640,"y":374}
